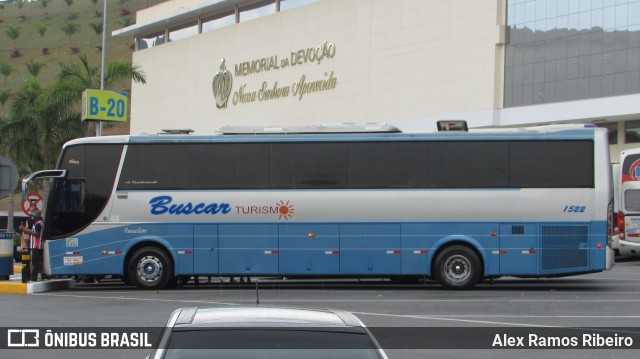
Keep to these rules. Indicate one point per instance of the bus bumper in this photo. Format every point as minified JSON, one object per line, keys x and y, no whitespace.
{"x":610,"y":257}
{"x":46,"y":264}
{"x":629,"y":249}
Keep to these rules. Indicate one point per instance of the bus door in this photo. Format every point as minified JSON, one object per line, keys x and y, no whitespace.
{"x":518,"y":249}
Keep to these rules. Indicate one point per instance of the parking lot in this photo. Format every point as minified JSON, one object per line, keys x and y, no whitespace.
{"x":609,"y":299}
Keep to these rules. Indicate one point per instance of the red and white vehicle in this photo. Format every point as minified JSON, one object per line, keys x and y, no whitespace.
{"x":626,"y":218}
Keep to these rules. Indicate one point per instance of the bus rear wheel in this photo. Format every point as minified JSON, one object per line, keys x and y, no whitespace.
{"x":457,"y":267}
{"x":150,"y":268}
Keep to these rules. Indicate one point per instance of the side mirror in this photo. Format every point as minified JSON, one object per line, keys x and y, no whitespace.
{"x":41,"y":174}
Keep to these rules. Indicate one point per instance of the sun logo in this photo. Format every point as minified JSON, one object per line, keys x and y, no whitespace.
{"x":285,"y":210}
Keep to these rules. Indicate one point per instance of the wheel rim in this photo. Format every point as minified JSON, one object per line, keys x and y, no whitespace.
{"x":457,"y":268}
{"x":149,"y":269}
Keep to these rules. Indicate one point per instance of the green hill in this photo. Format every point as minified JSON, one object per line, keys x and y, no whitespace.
{"x":59,"y":46}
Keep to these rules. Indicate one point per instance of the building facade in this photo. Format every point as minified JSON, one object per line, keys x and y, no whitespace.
{"x":211,"y":63}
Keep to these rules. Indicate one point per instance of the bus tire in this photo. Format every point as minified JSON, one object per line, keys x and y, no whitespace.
{"x":150,"y":268}
{"x":457,"y":267}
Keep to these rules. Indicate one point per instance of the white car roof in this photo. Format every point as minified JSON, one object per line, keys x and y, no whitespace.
{"x":264,"y":317}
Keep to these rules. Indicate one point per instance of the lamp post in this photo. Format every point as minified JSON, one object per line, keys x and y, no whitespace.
{"x":104,"y":50}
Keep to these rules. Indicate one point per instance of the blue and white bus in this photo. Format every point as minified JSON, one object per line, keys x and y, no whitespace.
{"x":626,"y":194}
{"x":345,"y":201}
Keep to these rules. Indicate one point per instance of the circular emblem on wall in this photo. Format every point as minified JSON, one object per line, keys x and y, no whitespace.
{"x":222,"y":82}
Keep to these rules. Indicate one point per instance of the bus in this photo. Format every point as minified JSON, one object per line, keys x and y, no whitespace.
{"x":626,"y":216}
{"x":332,"y":201}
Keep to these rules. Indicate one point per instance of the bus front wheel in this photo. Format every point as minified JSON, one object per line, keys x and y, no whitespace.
{"x":457,"y":267}
{"x":150,"y":268}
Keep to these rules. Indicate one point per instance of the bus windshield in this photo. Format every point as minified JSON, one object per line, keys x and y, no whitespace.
{"x":78,"y":199}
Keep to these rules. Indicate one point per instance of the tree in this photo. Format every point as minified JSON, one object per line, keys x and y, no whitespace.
{"x":34,"y":131}
{"x":34,"y":67}
{"x":44,"y":4}
{"x":13,"y":33}
{"x":70,"y":28}
{"x":4,"y":97}
{"x":97,"y":27}
{"x":73,"y":79}
{"x":126,"y":21}
{"x":78,"y":77}
{"x":6,"y":70}
{"x":41,"y":29}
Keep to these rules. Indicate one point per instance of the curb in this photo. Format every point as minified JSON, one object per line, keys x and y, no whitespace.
{"x":15,"y":285}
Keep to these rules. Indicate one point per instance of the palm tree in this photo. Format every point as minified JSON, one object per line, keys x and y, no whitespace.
{"x":97,"y":27}
{"x":13,"y":32}
{"x":41,"y":29}
{"x":44,"y":4}
{"x":6,"y":70}
{"x":4,"y":97}
{"x":34,"y":131}
{"x":73,"y":79}
{"x":69,"y":3}
{"x":70,"y":28}
{"x":34,"y":67}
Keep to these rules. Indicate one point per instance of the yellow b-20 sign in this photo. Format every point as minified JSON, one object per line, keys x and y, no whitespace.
{"x":100,"y":105}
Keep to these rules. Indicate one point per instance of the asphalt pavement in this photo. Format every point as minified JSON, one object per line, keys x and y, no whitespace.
{"x":605,"y":300}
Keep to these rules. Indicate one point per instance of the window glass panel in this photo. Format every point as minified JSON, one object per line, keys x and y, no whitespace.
{"x":632,"y":200}
{"x":257,"y":10}
{"x":622,"y":12}
{"x":229,"y":166}
{"x":80,"y":198}
{"x":548,"y":164}
{"x":183,"y":32}
{"x":634,"y":13}
{"x":597,"y":31}
{"x":101,"y":168}
{"x":519,"y":10}
{"x":563,"y":7}
{"x":388,"y":165}
{"x":323,"y":165}
{"x":283,"y":343}
{"x":291,"y":4}
{"x":612,"y":131}
{"x":468,"y":164}
{"x":219,"y":21}
{"x":155,"y":167}
{"x":308,"y":165}
{"x":151,"y":40}
{"x":632,"y":131}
